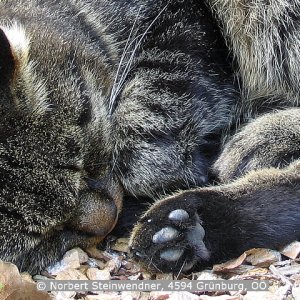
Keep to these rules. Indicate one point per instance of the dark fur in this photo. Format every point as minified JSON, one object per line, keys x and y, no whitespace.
{"x":258,"y":204}
{"x":76,"y":137}
{"x":72,"y":146}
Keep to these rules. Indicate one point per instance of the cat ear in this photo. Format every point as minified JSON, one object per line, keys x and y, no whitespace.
{"x":7,"y":60}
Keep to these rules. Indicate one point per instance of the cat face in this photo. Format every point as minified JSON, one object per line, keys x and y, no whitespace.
{"x":40,"y":160}
{"x":44,"y":182}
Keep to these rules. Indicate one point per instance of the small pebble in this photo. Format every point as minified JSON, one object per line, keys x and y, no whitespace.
{"x":96,"y":274}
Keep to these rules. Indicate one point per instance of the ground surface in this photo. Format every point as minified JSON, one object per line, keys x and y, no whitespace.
{"x":282,"y":269}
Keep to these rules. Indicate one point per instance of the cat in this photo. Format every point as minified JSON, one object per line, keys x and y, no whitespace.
{"x":200,"y":227}
{"x":257,"y":200}
{"x":102,"y":100}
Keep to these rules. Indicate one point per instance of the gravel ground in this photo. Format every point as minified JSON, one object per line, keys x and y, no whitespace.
{"x":281,"y":269}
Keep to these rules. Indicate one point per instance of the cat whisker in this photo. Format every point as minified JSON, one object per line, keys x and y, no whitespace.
{"x":115,"y":91}
{"x":129,"y":64}
{"x":127,"y":45}
{"x":179,"y":272}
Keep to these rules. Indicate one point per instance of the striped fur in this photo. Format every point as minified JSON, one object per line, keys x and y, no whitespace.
{"x":258,"y":202}
{"x":102,"y":98}
{"x":105,"y":99}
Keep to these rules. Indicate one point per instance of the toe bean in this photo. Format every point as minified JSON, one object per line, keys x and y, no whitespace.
{"x":165,"y":235}
{"x":172,"y":254}
{"x":178,"y":215}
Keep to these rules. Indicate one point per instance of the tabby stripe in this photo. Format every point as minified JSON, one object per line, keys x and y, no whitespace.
{"x":89,"y":29}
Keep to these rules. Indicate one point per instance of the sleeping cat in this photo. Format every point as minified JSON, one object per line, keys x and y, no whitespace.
{"x":257,"y":203}
{"x":102,"y":100}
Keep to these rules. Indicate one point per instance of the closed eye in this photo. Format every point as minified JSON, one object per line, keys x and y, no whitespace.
{"x":74,"y":168}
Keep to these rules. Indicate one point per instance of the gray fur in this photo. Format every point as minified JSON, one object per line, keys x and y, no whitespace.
{"x":264,"y":39}
{"x":100,"y":98}
{"x":103,"y":99}
{"x":258,"y":202}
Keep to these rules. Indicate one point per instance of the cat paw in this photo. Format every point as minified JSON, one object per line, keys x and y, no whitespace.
{"x":170,"y":236}
{"x":268,"y":141}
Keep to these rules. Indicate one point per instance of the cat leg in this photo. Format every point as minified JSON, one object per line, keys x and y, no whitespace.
{"x":196,"y":228}
{"x":260,"y":209}
{"x":169,"y":116}
{"x":271,"y":140}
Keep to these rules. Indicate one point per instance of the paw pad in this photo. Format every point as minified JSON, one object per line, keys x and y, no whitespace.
{"x":165,"y":235}
{"x":178,"y":215}
{"x":197,"y":233}
{"x":172,"y":254}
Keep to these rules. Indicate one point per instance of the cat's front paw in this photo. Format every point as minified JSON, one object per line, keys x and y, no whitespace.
{"x":170,"y":236}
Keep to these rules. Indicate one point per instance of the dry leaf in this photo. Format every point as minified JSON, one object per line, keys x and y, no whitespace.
{"x":138,"y":276}
{"x":14,"y":287}
{"x":83,"y":257}
{"x":27,"y":277}
{"x":206,"y":275}
{"x":113,"y":265}
{"x":93,"y":263}
{"x":69,"y":261}
{"x":296,"y":279}
{"x":230,"y":265}
{"x":282,"y":263}
{"x":70,"y":274}
{"x":96,"y":274}
{"x":131,"y":295}
{"x":256,"y":271}
{"x":167,"y":276}
{"x":239,"y":270}
{"x":183,"y":296}
{"x":120,"y":245}
{"x":289,"y":270}
{"x":262,"y":257}
{"x":292,"y":250}
{"x":159,"y":295}
{"x":222,"y":297}
{"x":64,"y":295}
{"x":296,"y":292}
{"x":265,"y":295}
{"x":103,"y":296}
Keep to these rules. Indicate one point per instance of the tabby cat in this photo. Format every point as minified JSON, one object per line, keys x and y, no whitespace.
{"x":102,"y":100}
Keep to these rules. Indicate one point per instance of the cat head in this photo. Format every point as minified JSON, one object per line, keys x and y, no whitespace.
{"x":19,"y":84}
{"x":42,"y":152}
{"x":40,"y":157}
